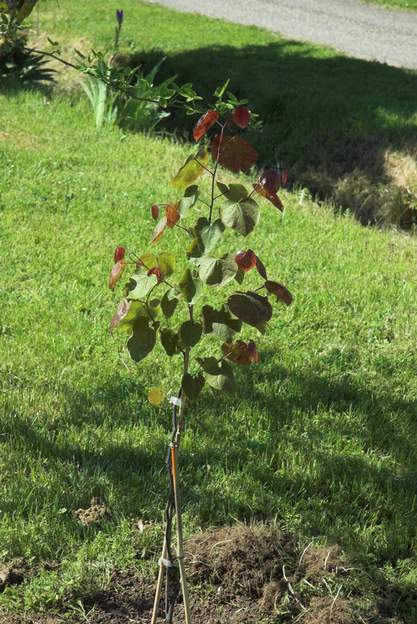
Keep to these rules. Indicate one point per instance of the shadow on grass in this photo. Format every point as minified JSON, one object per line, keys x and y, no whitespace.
{"x":318,"y":453}
{"x":331,"y":119}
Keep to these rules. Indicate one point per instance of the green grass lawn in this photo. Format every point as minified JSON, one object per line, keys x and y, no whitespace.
{"x":333,"y":120}
{"x":400,"y":4}
{"x":322,"y":437}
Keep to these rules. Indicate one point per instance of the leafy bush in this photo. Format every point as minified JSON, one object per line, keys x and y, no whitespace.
{"x":137,"y":108}
{"x":17,"y":61}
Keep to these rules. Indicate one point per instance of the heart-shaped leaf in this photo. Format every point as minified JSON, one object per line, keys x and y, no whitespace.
{"x":268,"y":185}
{"x":141,"y":284}
{"x":219,"y":375}
{"x":192,"y":385}
{"x":190,"y":333}
{"x":204,"y":124}
{"x":142,"y":341}
{"x":206,"y":237}
{"x":193,"y":168}
{"x":189,"y":286}
{"x":128,"y":311}
{"x":169,"y":303}
{"x":233,"y":153}
{"x":241,"y":117}
{"x":251,"y":308}
{"x":188,"y":201}
{"x":170,"y":341}
{"x":281,"y":292}
{"x":246,"y":260}
{"x":242,"y":216}
{"x":217,"y":271}
{"x":220,"y":322}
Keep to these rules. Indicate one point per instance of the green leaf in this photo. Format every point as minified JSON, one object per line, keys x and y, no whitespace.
{"x":142,"y":341}
{"x":192,"y":385}
{"x":190,"y":333}
{"x":166,"y":262}
{"x":218,"y":271}
{"x":189,"y":286}
{"x":219,"y":375}
{"x":169,"y":303}
{"x":191,"y":170}
{"x":140,"y":285}
{"x":251,"y":308}
{"x":170,"y":341}
{"x":242,"y":215}
{"x":220,"y":322}
{"x":207,"y":235}
{"x":233,"y":192}
{"x":188,"y":201}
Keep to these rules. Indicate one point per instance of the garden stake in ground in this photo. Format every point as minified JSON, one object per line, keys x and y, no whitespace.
{"x":165,"y":301}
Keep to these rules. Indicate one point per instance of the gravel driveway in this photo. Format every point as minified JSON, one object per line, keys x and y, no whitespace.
{"x":358,"y":29}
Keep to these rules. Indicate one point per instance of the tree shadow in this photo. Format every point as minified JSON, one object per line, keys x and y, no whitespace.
{"x":330,"y":119}
{"x":264,"y":454}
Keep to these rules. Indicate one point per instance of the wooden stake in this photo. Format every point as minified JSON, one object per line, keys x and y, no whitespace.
{"x":180,"y":535}
{"x":159,"y":584}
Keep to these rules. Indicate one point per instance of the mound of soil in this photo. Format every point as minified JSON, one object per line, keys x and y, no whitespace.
{"x":238,"y":575}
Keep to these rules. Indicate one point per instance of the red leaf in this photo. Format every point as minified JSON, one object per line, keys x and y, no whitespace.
{"x":204,"y":124}
{"x":241,"y":117}
{"x":119,"y":253}
{"x":281,"y":293}
{"x":260,"y":267}
{"x":116,"y":273}
{"x":284,"y":177}
{"x":246,"y":260}
{"x":156,"y":271}
{"x":172,"y":215}
{"x":267,"y":187}
{"x":234,"y":153}
{"x":159,"y":230}
{"x":241,"y":352}
{"x":155,"y":211}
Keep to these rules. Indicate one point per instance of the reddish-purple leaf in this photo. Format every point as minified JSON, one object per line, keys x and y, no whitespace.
{"x":116,"y":273}
{"x":204,"y":124}
{"x":155,"y":212}
{"x":233,"y":153}
{"x":246,"y":260}
{"x":159,"y":230}
{"x":268,"y":185}
{"x":260,"y":267}
{"x":284,"y":177}
{"x":156,"y":271}
{"x":241,"y":352}
{"x":241,"y":117}
{"x":250,"y":308}
{"x":281,"y":293}
{"x":119,"y":253}
{"x":172,"y":215}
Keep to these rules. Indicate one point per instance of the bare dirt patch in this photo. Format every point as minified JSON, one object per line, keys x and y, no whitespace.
{"x":66,"y":78}
{"x":368,"y":177}
{"x":238,"y":575}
